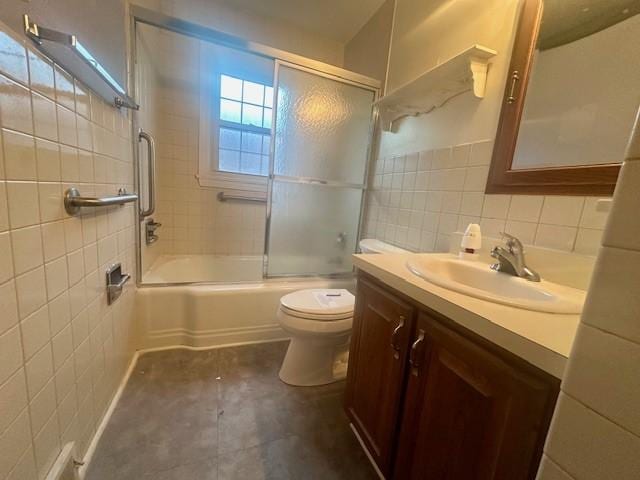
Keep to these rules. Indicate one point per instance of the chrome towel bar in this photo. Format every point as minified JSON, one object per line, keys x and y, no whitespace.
{"x":73,"y":200}
{"x":223,"y":197}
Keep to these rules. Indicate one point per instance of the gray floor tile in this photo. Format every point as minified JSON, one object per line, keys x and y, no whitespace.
{"x":224,"y":414}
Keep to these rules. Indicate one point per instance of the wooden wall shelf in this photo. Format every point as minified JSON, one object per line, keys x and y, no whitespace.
{"x":464,"y":72}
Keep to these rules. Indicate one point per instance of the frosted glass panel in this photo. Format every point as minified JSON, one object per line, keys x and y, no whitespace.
{"x":313,"y":228}
{"x":322,"y":127}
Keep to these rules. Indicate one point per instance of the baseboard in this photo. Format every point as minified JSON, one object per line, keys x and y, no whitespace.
{"x":212,"y":338}
{"x":82,"y":470}
{"x":142,"y":351}
{"x":366,"y":451}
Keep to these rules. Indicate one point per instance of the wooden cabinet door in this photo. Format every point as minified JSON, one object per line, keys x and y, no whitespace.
{"x":377,"y":358}
{"x":469,"y":413}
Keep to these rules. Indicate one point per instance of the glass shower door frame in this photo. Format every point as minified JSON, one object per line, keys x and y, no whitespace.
{"x":309,"y":180}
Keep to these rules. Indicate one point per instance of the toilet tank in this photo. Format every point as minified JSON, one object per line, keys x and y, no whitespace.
{"x":372,"y":245}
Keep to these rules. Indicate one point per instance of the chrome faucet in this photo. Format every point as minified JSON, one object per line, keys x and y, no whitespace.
{"x":511,"y":259}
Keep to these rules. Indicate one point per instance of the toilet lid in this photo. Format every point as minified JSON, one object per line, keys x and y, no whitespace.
{"x":319,"y":301}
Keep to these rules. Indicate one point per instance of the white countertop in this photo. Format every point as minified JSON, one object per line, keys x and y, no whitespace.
{"x":542,"y":339}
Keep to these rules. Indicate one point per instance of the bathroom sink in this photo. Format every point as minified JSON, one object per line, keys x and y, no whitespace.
{"x":478,"y":280}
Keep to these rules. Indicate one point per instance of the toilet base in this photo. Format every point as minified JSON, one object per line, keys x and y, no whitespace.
{"x":310,"y":362}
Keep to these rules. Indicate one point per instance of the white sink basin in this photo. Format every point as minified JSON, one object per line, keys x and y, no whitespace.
{"x":478,"y":280}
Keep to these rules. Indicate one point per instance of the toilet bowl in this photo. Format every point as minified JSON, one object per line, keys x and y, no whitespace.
{"x":319,"y":323}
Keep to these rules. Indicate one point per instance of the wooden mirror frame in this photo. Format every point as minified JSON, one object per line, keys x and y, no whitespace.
{"x":593,"y":180}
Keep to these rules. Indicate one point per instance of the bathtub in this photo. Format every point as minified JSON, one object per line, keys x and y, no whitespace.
{"x":204,"y":268}
{"x":217,"y":315}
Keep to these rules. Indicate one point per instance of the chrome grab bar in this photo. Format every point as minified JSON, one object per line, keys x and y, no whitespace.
{"x":73,"y":201}
{"x":151,"y":160}
{"x":223,"y":197}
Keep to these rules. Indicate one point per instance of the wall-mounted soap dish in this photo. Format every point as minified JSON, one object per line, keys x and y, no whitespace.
{"x":115,"y":282}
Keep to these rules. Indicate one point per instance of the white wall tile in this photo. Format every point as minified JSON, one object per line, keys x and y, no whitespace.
{"x":556,"y":237}
{"x":10,"y":353}
{"x":603,"y":373}
{"x":612,"y":303}
{"x":13,"y":58}
{"x":51,"y":202}
{"x":591,"y":217}
{"x":13,"y":442}
{"x":496,"y":206}
{"x":565,"y":211}
{"x":6,"y":257}
{"x":65,"y":93}
{"x":47,"y":446}
{"x":25,"y":469}
{"x":4,"y":208}
{"x":23,"y":204}
{"x":13,"y":398}
{"x":42,"y":406}
{"x":623,"y":230}
{"x":19,"y":156}
{"x":39,"y":370}
{"x":476,"y":179}
{"x":588,"y":446}
{"x":8,"y":306}
{"x":15,"y":106}
{"x":48,"y":160}
{"x":588,"y":241}
{"x":62,"y":347}
{"x":31,"y":291}
{"x":56,"y":277}
{"x":45,"y":121}
{"x":472,"y":203}
{"x":525,"y":208}
{"x":27,"y":249}
{"x":53,"y":241}
{"x":35,"y":331}
{"x":41,"y":75}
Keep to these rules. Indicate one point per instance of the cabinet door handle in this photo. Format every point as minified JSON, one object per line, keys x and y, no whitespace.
{"x":515,"y":76}
{"x":394,"y":338}
{"x":415,"y":352}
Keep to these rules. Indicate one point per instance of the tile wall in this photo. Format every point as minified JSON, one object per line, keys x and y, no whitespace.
{"x":63,"y":350}
{"x":193,"y":220}
{"x":595,"y":433}
{"x":417,"y":200}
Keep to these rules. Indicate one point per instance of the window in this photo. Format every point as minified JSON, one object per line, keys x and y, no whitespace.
{"x":236,"y":106}
{"x":244,"y":133}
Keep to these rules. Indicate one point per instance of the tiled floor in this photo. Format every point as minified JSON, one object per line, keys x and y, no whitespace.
{"x":224,"y":414}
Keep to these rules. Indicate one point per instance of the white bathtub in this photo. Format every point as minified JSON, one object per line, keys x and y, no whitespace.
{"x":204,"y":268}
{"x":216,"y":315}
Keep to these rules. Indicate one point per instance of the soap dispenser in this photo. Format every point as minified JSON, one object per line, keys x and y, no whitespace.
{"x":471,"y":242}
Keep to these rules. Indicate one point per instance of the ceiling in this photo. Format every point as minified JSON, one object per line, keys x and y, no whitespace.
{"x":338,"y":20}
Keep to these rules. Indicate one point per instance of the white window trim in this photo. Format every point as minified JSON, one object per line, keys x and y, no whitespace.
{"x":208,"y":142}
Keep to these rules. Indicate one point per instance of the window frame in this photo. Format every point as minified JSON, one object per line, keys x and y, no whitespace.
{"x":209,"y":175}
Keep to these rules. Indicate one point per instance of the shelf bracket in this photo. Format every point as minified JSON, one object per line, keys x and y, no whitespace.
{"x":479,"y":68}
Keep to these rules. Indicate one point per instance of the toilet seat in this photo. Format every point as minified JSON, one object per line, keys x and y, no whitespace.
{"x":319,"y":304}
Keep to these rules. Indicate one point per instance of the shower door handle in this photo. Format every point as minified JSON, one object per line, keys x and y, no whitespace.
{"x":151,"y":161}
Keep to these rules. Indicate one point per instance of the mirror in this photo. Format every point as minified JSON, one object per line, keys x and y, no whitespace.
{"x":571,"y":98}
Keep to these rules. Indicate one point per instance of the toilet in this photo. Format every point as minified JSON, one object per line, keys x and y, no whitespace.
{"x":319,"y":323}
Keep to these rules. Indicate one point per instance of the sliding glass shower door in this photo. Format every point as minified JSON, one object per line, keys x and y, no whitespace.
{"x":322,"y":134}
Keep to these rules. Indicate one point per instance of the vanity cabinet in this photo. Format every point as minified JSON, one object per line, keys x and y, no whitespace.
{"x":431,"y":400}
{"x":377,"y":368}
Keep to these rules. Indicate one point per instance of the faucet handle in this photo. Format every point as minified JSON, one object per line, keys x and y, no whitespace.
{"x":512,"y":242}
